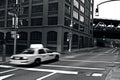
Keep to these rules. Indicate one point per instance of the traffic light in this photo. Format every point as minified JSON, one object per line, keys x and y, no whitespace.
{"x":16,"y":8}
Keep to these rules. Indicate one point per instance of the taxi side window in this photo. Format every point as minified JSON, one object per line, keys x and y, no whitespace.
{"x":41,"y":51}
{"x":49,"y":51}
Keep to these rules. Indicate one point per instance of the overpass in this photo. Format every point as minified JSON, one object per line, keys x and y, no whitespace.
{"x":107,"y":32}
{"x":106,"y":28}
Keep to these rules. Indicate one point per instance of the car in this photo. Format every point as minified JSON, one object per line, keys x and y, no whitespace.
{"x":34,"y":56}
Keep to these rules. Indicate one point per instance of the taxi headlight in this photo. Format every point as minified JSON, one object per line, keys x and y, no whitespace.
{"x":11,"y":57}
{"x":25,"y":58}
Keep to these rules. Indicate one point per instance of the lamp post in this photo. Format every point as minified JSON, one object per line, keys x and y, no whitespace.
{"x":14,"y":24}
{"x":97,"y":9}
{"x":70,"y":37}
{"x":70,"y":31}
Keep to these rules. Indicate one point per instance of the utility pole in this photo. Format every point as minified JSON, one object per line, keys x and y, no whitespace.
{"x":15,"y":26}
{"x":14,"y":15}
{"x":70,"y":31}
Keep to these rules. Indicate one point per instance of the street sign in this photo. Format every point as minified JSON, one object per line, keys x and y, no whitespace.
{"x":12,"y":14}
{"x":13,"y":32}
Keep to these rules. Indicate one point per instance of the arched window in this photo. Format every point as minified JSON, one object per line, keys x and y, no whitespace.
{"x":65,"y":38}
{"x":52,"y":37}
{"x":23,"y":37}
{"x":9,"y":38}
{"x":75,"y":39}
{"x":1,"y":36}
{"x":36,"y":37}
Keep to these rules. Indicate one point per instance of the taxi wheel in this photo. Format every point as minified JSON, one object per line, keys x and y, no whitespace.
{"x":37,"y":62}
{"x":57,"y":58}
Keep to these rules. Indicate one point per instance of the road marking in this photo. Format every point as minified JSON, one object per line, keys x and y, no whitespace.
{"x":6,"y":76}
{"x":97,"y":74}
{"x":75,"y":67}
{"x":46,"y":76}
{"x":45,"y":70}
{"x":88,"y":61}
{"x":8,"y":71}
{"x":49,"y":70}
{"x":73,"y":56}
{"x":5,"y":66}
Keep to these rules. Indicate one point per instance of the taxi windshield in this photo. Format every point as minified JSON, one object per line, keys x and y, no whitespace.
{"x":28,"y":51}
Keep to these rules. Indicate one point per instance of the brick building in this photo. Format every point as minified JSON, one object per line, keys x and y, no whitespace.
{"x":48,"y":22}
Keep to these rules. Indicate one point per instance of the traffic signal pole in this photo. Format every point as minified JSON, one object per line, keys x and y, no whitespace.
{"x":15,"y":25}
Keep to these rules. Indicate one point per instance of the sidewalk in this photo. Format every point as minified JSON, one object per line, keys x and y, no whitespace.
{"x":7,"y":59}
{"x":114,"y":74}
{"x":78,"y":50}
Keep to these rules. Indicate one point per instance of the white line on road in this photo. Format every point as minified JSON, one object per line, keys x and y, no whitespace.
{"x":8,"y":71}
{"x":6,"y":76}
{"x":46,"y":76}
{"x":73,"y":56}
{"x":75,"y":67}
{"x":5,"y":66}
{"x":44,"y":70}
{"x":49,"y":70}
{"x":88,"y":61}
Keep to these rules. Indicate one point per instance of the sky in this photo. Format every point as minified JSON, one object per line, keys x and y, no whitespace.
{"x":109,"y":10}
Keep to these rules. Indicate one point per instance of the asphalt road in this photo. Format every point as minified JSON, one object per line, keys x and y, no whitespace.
{"x":85,"y":65}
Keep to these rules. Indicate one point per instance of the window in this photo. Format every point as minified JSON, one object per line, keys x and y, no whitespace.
{"x":52,"y":20}
{"x":76,"y":3}
{"x":9,"y":23}
{"x":28,"y":51}
{"x":25,"y":10}
{"x":53,"y":7}
{"x":66,"y":37}
{"x":35,"y":37}
{"x":36,"y":21}
{"x":24,"y":1}
{"x":11,"y":1}
{"x":81,"y":18}
{"x":81,"y":28}
{"x":75,"y":14}
{"x":37,"y":9}
{"x":67,"y":22}
{"x":52,"y":37}
{"x":41,"y":51}
{"x":67,"y":9}
{"x":49,"y":51}
{"x":2,"y":2}
{"x":23,"y":22}
{"x":2,"y":14}
{"x":37,"y":0}
{"x":82,"y":9}
{"x":75,"y":39}
{"x":1,"y":23}
{"x":75,"y":25}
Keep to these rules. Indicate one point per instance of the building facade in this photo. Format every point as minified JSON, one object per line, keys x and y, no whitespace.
{"x":48,"y":22}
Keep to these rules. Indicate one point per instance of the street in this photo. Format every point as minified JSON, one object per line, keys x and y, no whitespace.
{"x":84,"y":65}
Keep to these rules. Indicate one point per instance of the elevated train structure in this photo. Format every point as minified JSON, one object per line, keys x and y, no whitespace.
{"x":107,"y":32}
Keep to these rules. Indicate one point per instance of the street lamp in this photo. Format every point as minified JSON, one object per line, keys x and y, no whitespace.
{"x":97,"y":9}
{"x":70,"y":37}
{"x":15,"y":24}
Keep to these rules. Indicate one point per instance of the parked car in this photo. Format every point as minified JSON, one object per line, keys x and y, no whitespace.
{"x":34,"y":56}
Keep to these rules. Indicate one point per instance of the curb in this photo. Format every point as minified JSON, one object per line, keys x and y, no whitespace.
{"x":78,"y":50}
